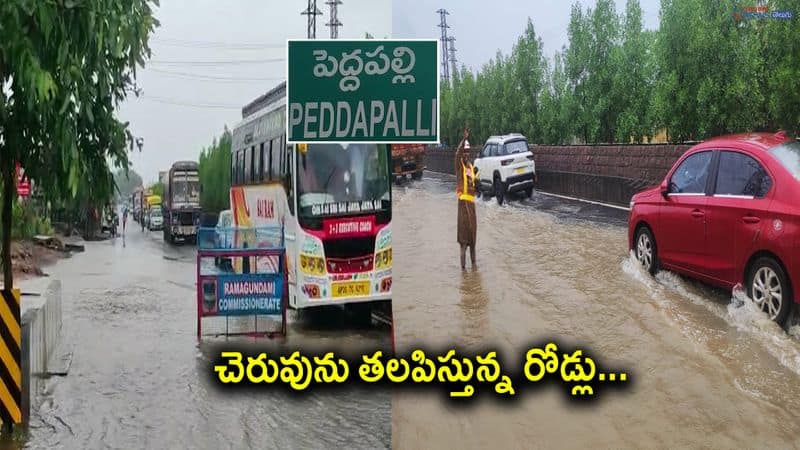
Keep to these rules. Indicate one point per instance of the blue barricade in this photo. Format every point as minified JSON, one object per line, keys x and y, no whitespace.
{"x":251,"y":293}
{"x":236,"y":238}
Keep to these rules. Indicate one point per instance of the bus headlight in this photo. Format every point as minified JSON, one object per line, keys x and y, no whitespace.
{"x":383,"y":259}
{"x":311,"y":265}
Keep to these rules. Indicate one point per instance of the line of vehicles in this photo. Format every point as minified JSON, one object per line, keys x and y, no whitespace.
{"x":178,"y":213}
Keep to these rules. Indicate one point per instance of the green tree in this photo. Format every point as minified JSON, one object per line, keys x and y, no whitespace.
{"x":65,"y":66}
{"x":634,"y":78}
{"x":526,"y":82}
{"x":215,"y":174}
{"x":127,"y":182}
{"x":781,"y":47}
{"x":157,"y":189}
{"x":709,"y":64}
{"x":556,"y":104}
{"x":576,"y":65}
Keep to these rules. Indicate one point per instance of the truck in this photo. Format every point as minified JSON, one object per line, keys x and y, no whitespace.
{"x":408,"y":159}
{"x":137,"y":200}
{"x":181,"y":207}
{"x":152,"y":201}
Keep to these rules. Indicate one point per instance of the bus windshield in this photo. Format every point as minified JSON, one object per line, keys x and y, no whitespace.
{"x":335,"y":179}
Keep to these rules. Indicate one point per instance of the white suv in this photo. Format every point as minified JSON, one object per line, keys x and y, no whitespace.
{"x":506,"y":165}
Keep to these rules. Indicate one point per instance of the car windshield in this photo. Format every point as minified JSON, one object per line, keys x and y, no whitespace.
{"x":514,"y":147}
{"x":789,"y":156}
{"x":156,"y":213}
{"x":334,"y":179}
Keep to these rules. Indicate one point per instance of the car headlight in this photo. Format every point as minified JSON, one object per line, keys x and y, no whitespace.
{"x":632,"y":203}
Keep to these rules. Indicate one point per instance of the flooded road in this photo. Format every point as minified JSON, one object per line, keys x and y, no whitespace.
{"x":705,"y":374}
{"x":139,"y":379}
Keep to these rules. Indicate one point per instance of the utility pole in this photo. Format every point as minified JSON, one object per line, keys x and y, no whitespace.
{"x":334,"y":21}
{"x":443,"y":25}
{"x":312,"y":12}
{"x":452,"y":56}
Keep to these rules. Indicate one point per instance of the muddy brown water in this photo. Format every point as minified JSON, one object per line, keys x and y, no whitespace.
{"x":705,"y":374}
{"x":139,"y":378}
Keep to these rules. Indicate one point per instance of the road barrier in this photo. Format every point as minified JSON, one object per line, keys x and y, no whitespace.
{"x":41,"y":331}
{"x":10,"y":354}
{"x":248,"y":277}
{"x":603,"y":173}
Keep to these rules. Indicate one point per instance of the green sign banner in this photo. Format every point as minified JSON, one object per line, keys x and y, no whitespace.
{"x":372,"y":90}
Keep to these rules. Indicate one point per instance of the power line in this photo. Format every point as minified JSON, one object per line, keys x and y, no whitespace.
{"x":169,"y":101}
{"x":216,"y":44}
{"x":217,"y":63}
{"x":194,"y":76}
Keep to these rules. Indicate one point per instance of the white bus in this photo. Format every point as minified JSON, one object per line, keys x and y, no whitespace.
{"x":333,"y":201}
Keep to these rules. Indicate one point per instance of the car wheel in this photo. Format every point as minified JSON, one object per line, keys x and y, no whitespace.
{"x":417,"y":176}
{"x":646,"y":251}
{"x":768,"y":286}
{"x":529,"y":192}
{"x":499,"y":190}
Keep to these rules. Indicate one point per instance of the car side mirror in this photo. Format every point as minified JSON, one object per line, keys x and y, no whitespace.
{"x":664,"y":189}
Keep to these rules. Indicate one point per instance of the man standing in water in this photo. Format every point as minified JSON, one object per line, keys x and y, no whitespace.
{"x":465,"y":188}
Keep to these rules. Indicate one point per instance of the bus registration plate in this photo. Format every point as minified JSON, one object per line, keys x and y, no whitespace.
{"x":351,"y":289}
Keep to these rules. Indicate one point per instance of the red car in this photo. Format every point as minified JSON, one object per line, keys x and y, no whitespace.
{"x":728,"y":212}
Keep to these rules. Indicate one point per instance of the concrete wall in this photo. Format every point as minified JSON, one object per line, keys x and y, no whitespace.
{"x":41,"y":331}
{"x":605,"y":173}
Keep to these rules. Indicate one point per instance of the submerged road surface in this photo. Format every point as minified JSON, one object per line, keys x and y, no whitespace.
{"x":139,"y":379}
{"x":705,"y":374}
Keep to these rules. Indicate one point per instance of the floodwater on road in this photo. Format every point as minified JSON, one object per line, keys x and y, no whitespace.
{"x":705,"y":374}
{"x":139,"y":378}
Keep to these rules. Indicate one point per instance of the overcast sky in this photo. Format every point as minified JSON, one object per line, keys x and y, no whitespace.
{"x":193,"y":86}
{"x":481,"y":27}
{"x":206,"y":33}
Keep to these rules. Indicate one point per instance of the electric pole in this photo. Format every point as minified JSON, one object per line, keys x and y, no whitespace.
{"x":443,"y":25}
{"x":452,"y":56}
{"x":312,"y":12}
{"x":334,"y":21}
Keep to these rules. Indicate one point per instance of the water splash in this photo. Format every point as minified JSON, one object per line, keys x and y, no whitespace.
{"x":742,"y":313}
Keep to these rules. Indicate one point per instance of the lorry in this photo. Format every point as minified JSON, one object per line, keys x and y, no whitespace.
{"x":181,"y":207}
{"x":152,"y":201}
{"x":408,"y":159}
{"x":137,"y":200}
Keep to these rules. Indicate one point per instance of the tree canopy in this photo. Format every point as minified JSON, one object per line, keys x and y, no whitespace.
{"x":702,"y":73}
{"x":215,"y":174}
{"x":65,"y":66}
{"x":127,"y":182}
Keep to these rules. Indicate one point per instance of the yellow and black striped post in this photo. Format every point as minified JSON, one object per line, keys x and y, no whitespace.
{"x":10,"y":373}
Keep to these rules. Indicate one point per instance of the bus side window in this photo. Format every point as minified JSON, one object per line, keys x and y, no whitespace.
{"x":275,"y":160}
{"x":288,"y":177}
{"x":287,"y":152}
{"x":248,"y":157}
{"x":268,"y":159}
{"x":239,"y":167}
{"x":233,"y":170}
{"x":264,"y":161}
{"x":256,"y":165}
